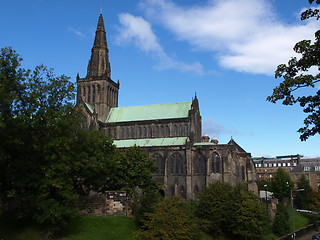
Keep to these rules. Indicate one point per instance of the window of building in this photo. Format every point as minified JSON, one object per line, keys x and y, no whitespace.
{"x":259,"y":165}
{"x":168,"y":131}
{"x":260,"y":176}
{"x":145,"y":132}
{"x":127,"y":133}
{"x":181,"y":130}
{"x":306,"y":168}
{"x":159,"y":162}
{"x":158,"y":131}
{"x":162,"y":131}
{"x":122,"y":133}
{"x":279,"y":164}
{"x":175,"y":130}
{"x":289,"y":164}
{"x":296,"y":176}
{"x":265,"y":165}
{"x":139,"y":132}
{"x":274,"y":164}
{"x":270,"y":164}
{"x":215,"y":163}
{"x":317,"y":168}
{"x":93,"y":94}
{"x":270,"y":175}
{"x":283,"y":164}
{"x":132,"y":132}
{"x":256,"y":165}
{"x":294,"y":164}
{"x":176,"y":163}
{"x":200,"y":164}
{"x":150,"y":132}
{"x":114,"y":133}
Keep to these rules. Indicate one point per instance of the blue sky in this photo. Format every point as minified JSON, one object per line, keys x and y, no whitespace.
{"x":165,"y":51}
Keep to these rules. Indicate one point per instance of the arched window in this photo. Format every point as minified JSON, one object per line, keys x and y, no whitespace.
{"x":84,"y":92}
{"x":200,"y":164}
{"x":162,"y":131}
{"x":132,"y":132}
{"x":196,"y":191}
{"x":114,"y":133}
{"x":186,"y":130}
{"x":172,"y":190}
{"x":180,"y":130}
{"x":157,"y":131}
{"x":127,"y":133}
{"x":182,"y":192}
{"x":215,"y":163}
{"x":159,"y":162}
{"x":168,"y":131}
{"x":140,"y":132}
{"x":243,"y":173}
{"x":89,"y":94}
{"x":145,"y":132}
{"x":93,"y":94}
{"x":150,"y":132}
{"x":175,"y":130}
{"x":122,"y":133}
{"x":177,"y":164}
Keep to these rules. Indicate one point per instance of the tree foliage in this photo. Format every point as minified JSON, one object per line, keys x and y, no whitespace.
{"x":46,"y":159}
{"x":281,"y":184}
{"x":297,"y":74}
{"x":280,"y":225}
{"x":170,"y":220}
{"x":226,"y":210}
{"x":301,"y":198}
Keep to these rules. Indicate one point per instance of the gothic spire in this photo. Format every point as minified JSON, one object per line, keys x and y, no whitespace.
{"x":99,"y":64}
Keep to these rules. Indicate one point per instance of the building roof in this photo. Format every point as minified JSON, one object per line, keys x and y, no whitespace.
{"x":149,"y":112}
{"x":151,"y":142}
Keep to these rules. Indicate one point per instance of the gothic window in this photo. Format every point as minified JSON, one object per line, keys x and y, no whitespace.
{"x":196,"y":191}
{"x":185,"y":130}
{"x":122,"y":133}
{"x":132,"y":132}
{"x":162,"y":131}
{"x":172,"y":190}
{"x":181,"y":130}
{"x":109,"y":131}
{"x":168,"y":131}
{"x":93,"y":94}
{"x":159,"y":161}
{"x":157,"y":131}
{"x":200,"y":164}
{"x":140,"y":132}
{"x":243,"y":173}
{"x":175,"y":130}
{"x":114,"y":133}
{"x":98,"y":93}
{"x":215,"y":163}
{"x":127,"y":133}
{"x":145,"y":132}
{"x":182,"y":192}
{"x":89,"y":94}
{"x":176,"y":163}
{"x":150,"y":132}
{"x":84,"y":92}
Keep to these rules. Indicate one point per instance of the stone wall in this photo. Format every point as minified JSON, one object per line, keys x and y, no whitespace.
{"x":109,"y":204}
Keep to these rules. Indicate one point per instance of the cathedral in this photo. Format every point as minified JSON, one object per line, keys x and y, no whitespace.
{"x":169,"y":133}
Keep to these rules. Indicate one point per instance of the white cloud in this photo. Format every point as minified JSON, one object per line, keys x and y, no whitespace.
{"x":78,"y":33}
{"x":245,"y":34}
{"x":137,"y":30}
{"x":215,"y":129}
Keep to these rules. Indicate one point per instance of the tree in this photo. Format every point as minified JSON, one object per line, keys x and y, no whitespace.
{"x":44,"y":154}
{"x":280,"y":224}
{"x":250,"y":218}
{"x":301,"y":198}
{"x":297,"y":75}
{"x":134,"y":169}
{"x":281,"y":184}
{"x":215,"y":208}
{"x":169,"y":221}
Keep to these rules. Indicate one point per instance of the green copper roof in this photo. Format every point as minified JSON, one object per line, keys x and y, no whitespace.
{"x":151,"y":142}
{"x":149,"y":112}
{"x":89,"y":107}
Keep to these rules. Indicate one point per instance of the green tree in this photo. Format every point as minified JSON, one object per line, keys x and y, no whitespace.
{"x":301,"y":198}
{"x":170,"y":220}
{"x":144,"y":204}
{"x":280,"y":224}
{"x":215,"y":208}
{"x":44,"y":155}
{"x":134,"y":169}
{"x":314,"y":201}
{"x":297,"y":76}
{"x":281,"y":184}
{"x":250,"y":218}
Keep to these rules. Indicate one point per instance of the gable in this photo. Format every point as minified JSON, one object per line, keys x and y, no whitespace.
{"x":149,"y":112}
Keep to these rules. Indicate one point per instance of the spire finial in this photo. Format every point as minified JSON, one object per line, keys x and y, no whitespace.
{"x":101,"y":9}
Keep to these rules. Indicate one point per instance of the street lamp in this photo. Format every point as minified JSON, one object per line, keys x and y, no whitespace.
{"x":293,"y":190}
{"x":266,"y":191}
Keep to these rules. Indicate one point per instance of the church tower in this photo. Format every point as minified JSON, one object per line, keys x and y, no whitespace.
{"x":97,"y":90}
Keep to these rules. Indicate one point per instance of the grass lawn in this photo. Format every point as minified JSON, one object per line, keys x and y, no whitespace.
{"x":88,"y":228}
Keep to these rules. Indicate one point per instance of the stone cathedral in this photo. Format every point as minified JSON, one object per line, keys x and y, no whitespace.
{"x":169,"y":133}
